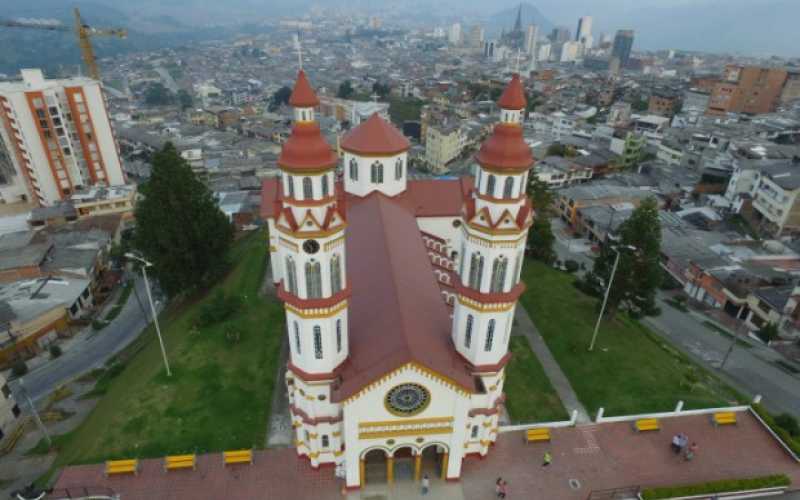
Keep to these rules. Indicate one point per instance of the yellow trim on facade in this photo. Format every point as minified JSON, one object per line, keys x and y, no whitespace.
{"x":450,"y":383}
{"x":273,"y":248}
{"x":323,"y":312}
{"x":336,"y":434}
{"x":404,"y":432}
{"x":491,"y":243}
{"x":312,"y":435}
{"x":289,"y":244}
{"x":487,"y":424}
{"x":480,"y":307}
{"x":485,"y":442}
{"x":313,"y":455}
{"x":414,"y":421}
{"x":338,"y":453}
{"x":499,"y":232}
{"x":333,"y":243}
{"x":312,"y":234}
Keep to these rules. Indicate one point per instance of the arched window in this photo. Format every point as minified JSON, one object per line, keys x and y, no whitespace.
{"x":291,"y":276}
{"x":518,"y":268}
{"x":463,"y":259}
{"x":476,"y":271}
{"x":490,"y":182}
{"x":498,"y":274}
{"x":398,"y":169}
{"x":468,"y":332}
{"x":325,"y":441}
{"x":313,"y":280}
{"x":376,"y":173}
{"x":489,"y":336}
{"x":318,"y":342}
{"x":338,"y":335}
{"x":336,"y":274}
{"x":523,"y":184}
{"x":478,"y":178}
{"x":297,"y":338}
{"x":353,"y":169}
{"x":474,"y":432}
{"x":308,"y":188}
{"x":508,"y":188}
{"x":324,"y":186}
{"x":290,"y":183}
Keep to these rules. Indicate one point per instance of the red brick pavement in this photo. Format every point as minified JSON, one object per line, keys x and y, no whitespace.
{"x":598,"y":456}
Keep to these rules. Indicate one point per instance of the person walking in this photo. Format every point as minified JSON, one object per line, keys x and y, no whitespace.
{"x":503,"y":489}
{"x":548,"y":459}
{"x":691,"y":451}
{"x":498,"y":487}
{"x":426,"y":484}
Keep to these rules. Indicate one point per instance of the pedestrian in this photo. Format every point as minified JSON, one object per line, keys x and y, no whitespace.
{"x":691,"y":451}
{"x":548,"y":459}
{"x":503,"y":489}
{"x":676,"y":444}
{"x":426,"y":484}
{"x":684,"y":441}
{"x":498,"y":487}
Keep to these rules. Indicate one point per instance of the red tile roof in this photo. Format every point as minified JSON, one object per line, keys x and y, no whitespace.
{"x":269,"y":197}
{"x":396,"y":312}
{"x":506,"y":150}
{"x":303,"y":96}
{"x":375,"y":136}
{"x":514,"y":95}
{"x":307,"y":150}
{"x":435,"y":197}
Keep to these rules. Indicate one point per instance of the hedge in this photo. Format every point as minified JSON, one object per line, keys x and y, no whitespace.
{"x":754,"y":483}
{"x":786,"y":437}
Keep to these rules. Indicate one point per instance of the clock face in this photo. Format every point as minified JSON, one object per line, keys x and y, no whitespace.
{"x":407,"y":399}
{"x":311,"y":246}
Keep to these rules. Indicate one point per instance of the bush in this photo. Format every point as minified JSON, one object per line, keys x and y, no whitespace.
{"x":98,"y":324}
{"x":768,"y":332}
{"x":55,"y":351}
{"x":783,"y":433}
{"x":19,"y":368}
{"x":789,"y":423}
{"x":219,"y":308}
{"x":590,"y":285}
{"x":571,"y":266}
{"x":716,"y":487}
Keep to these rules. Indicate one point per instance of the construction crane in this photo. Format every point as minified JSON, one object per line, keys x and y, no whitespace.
{"x":84,"y":32}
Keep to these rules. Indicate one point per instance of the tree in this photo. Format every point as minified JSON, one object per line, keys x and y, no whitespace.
{"x":768,"y":332}
{"x":345,"y":90}
{"x":381,"y":89}
{"x":639,"y":272}
{"x":179,"y":227}
{"x":185,"y":99}
{"x":541,"y":239}
{"x":281,"y":97}
{"x":556,"y":149}
{"x":541,"y":196}
{"x":158,"y":95}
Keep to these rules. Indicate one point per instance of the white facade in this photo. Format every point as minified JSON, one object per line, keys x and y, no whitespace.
{"x":531,"y":36}
{"x":365,"y":174}
{"x":58,"y":136}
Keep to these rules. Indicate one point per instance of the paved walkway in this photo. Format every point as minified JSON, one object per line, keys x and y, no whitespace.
{"x":585,"y":458}
{"x":525,"y":326}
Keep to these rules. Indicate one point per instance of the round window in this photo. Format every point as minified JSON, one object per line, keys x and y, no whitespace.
{"x":311,"y":246}
{"x":407,"y":399}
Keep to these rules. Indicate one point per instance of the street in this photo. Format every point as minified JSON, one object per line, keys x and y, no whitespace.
{"x":91,"y":351}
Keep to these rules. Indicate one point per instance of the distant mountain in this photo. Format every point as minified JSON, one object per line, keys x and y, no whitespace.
{"x":504,"y":20}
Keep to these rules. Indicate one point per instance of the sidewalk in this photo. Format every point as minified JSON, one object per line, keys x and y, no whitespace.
{"x":561,"y":384}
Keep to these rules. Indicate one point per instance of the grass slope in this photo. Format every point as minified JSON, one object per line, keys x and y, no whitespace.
{"x":219,"y":392}
{"x":530,"y":397}
{"x":631,"y":370}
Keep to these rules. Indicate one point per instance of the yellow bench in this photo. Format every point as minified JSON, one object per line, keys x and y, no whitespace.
{"x":541,"y":434}
{"x":237,"y":457}
{"x":724,"y":418}
{"x":646,"y":424}
{"x":174,"y":462}
{"x":122,"y":466}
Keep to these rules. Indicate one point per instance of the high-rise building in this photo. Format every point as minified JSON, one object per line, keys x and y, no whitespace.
{"x":623,"y":43}
{"x":475,"y":37}
{"x":560,"y":35}
{"x":530,"y":39}
{"x":584,"y":32}
{"x":747,"y":89}
{"x":56,"y":139}
{"x":488,"y":49}
{"x":454,"y":34}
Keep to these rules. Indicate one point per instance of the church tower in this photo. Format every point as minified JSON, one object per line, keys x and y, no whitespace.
{"x":309,"y":264}
{"x":496,"y":218}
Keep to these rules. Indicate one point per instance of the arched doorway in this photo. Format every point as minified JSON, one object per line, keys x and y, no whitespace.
{"x":374,"y":467}
{"x":434,"y":461}
{"x":404,"y":464}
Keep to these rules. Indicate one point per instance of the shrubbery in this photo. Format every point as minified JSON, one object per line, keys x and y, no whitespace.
{"x":774,"y":423}
{"x":55,"y":351}
{"x":716,"y":487}
{"x":219,"y":308}
{"x":571,"y":266}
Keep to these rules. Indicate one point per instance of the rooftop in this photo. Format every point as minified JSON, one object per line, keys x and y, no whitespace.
{"x":375,"y":136}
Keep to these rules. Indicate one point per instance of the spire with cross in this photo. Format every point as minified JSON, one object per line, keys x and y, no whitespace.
{"x":299,"y":49}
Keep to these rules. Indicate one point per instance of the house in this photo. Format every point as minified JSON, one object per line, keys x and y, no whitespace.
{"x":775,"y":203}
{"x":556,"y":172}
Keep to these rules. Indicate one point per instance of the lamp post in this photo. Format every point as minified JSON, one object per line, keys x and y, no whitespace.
{"x":145,"y":265}
{"x":608,"y":291}
{"x":35,"y":414}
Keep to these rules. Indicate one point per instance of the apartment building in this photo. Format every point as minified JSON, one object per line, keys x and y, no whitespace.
{"x":747,"y":89}
{"x":443,"y":144}
{"x":56,"y":139}
{"x":776,"y":201}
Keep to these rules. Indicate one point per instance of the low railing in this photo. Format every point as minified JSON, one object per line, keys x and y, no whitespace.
{"x":624,"y":493}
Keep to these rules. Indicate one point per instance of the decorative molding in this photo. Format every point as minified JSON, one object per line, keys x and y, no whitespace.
{"x":415,"y":421}
{"x":412,"y":365}
{"x":316,"y":313}
{"x":405,"y":432}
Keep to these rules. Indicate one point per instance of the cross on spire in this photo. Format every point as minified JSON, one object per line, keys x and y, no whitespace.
{"x":299,"y":48}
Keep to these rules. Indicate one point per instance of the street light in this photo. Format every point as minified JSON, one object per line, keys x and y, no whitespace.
{"x":608,"y":290}
{"x":35,"y":413}
{"x":145,"y":265}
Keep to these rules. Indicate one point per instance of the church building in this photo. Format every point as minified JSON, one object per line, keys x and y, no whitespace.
{"x":399,"y":294}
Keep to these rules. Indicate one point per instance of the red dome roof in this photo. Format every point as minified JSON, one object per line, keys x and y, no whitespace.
{"x":303,"y":96}
{"x":307,"y":150}
{"x":375,"y":136}
{"x":514,"y":95}
{"x":505,"y":149}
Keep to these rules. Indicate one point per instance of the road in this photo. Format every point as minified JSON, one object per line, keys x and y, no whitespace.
{"x":90,"y":351}
{"x":169,"y":82}
{"x":752,"y":370}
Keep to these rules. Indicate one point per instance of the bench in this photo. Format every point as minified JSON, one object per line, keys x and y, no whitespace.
{"x":724,"y":418}
{"x":122,"y":466}
{"x":646,"y":424}
{"x":174,"y":462}
{"x":237,"y":457}
{"x":541,"y":434}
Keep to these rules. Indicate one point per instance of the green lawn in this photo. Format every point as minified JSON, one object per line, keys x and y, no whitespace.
{"x":403,"y":110}
{"x":219,"y":393}
{"x":530,"y":397}
{"x":631,"y":370}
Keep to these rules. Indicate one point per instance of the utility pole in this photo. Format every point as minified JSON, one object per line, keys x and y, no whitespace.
{"x":145,"y":265}
{"x":608,"y":291}
{"x":35,"y":414}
